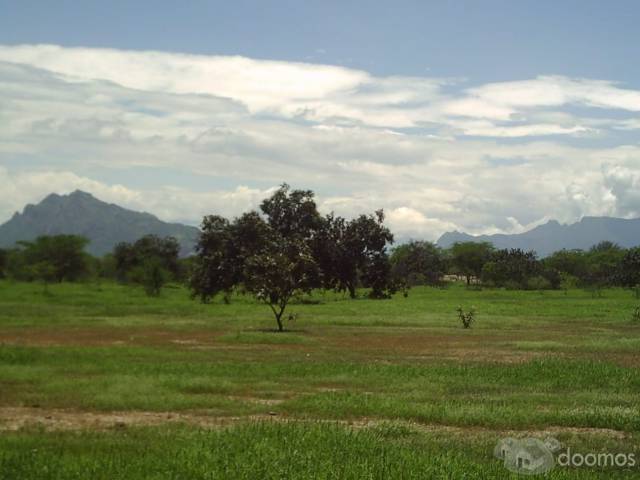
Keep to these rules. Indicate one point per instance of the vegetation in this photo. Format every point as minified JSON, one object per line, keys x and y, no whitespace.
{"x":466,"y":317}
{"x":155,"y":386}
{"x":151,"y":261}
{"x":418,"y":263}
{"x":289,"y":250}
{"x":49,"y":258}
{"x":469,"y":258}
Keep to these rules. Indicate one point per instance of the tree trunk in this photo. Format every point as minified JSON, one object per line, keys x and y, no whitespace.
{"x":352,"y":291}
{"x":468,"y":280}
{"x":278,"y":315}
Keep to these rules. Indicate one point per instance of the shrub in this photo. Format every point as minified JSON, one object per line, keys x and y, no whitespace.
{"x":466,"y":318}
{"x":151,"y":275}
{"x":538,"y":283}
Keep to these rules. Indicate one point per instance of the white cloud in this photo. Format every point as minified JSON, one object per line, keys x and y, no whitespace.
{"x":554,"y":91}
{"x":434,"y":156}
{"x":624,"y":185}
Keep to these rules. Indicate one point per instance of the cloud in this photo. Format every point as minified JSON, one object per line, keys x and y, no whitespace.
{"x":553,"y":91}
{"x":437,"y":156}
{"x":624,"y":185}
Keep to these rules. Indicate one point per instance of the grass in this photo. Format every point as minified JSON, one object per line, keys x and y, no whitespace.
{"x":264,"y":450}
{"x":532,"y":362}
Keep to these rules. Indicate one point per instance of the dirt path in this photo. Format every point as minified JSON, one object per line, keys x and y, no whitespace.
{"x":16,"y":418}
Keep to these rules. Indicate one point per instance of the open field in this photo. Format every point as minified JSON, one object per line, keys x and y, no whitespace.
{"x":100,"y":381}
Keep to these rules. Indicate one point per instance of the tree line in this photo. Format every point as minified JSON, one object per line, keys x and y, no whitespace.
{"x":288,"y":249}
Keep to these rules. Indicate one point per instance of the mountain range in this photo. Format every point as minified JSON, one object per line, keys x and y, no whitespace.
{"x":104,"y":224}
{"x":552,"y":236}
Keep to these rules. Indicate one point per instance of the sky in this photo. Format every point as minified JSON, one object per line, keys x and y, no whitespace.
{"x":484,"y":117}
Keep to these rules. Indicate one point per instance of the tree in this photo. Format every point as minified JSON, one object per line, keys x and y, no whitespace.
{"x":131,"y":255}
{"x":469,"y":258}
{"x":292,"y":212}
{"x":215,"y":268}
{"x":4,"y":260}
{"x":513,"y":267}
{"x":570,"y":262}
{"x":151,"y":261}
{"x":63,"y":256}
{"x":152,"y":275}
{"x":629,"y":268}
{"x":418,"y":263}
{"x":284,"y":268}
{"x":290,"y":249}
{"x":603,"y":262}
{"x":366,"y":240}
{"x":354,"y":252}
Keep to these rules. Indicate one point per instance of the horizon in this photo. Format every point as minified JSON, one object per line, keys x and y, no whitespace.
{"x":463,"y":120}
{"x":399,"y":241}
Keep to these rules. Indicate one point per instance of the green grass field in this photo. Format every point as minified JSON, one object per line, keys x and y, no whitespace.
{"x":100,"y":381}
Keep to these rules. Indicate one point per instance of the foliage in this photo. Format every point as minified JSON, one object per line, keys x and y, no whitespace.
{"x":513,"y":265}
{"x":292,"y":213}
{"x":570,"y":262}
{"x":152,"y":275}
{"x":629,"y":268}
{"x":418,"y":263}
{"x":43,"y":271}
{"x":150,"y":261}
{"x":602,"y":266}
{"x":284,"y":269}
{"x":216,"y":268}
{"x":366,"y":241}
{"x":289,"y":250}
{"x":353,"y":253}
{"x":4,"y":260}
{"x":50,"y":258}
{"x":469,"y":258}
{"x":538,"y":283}
{"x":466,"y":318}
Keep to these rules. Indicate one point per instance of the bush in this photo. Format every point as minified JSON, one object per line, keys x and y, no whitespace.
{"x":466,"y":318}
{"x":151,"y":275}
{"x":538,"y":283}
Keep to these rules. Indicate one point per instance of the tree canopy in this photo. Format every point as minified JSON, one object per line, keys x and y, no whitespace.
{"x":288,"y":249}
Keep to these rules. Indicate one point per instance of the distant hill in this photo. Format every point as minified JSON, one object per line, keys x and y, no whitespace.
{"x":104,"y":224}
{"x":552,"y":236}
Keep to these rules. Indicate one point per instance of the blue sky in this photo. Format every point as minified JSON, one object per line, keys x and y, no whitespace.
{"x":487,"y":41}
{"x":486,"y":116}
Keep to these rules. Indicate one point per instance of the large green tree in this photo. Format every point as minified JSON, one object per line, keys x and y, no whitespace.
{"x":58,"y":257}
{"x":469,"y":258}
{"x":603,"y":262}
{"x":216,"y":267}
{"x":289,"y":248}
{"x":418,"y":263}
{"x":513,"y":267}
{"x":150,"y":261}
{"x":283,"y":268}
{"x":351,"y":253}
{"x":629,"y":268}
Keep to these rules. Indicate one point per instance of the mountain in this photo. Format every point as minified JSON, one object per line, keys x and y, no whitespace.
{"x":104,"y":224}
{"x":552,"y":236}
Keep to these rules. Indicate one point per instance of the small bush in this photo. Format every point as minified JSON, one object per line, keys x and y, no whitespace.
{"x":466,"y":318}
{"x":538,"y":283}
{"x":635,"y":316}
{"x":151,"y":275}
